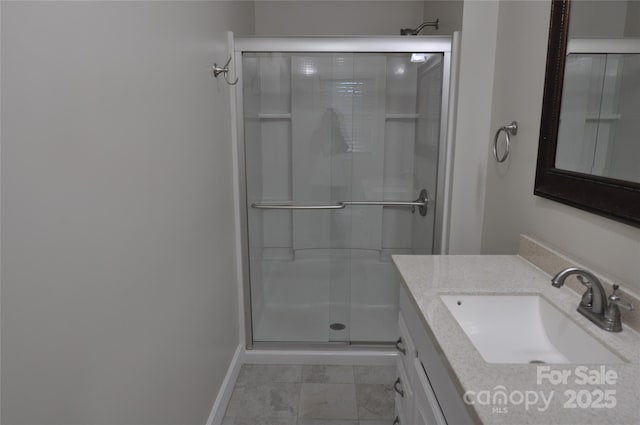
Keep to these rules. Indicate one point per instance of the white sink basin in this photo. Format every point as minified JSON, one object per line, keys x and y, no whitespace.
{"x":524,"y":329}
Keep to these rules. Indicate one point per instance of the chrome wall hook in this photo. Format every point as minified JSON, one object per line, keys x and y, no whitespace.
{"x":224,"y":70}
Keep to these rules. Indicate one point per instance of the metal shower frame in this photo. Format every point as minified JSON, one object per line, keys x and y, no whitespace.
{"x":447,"y":45}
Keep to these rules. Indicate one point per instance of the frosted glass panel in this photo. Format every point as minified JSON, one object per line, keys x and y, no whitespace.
{"x":322,"y":128}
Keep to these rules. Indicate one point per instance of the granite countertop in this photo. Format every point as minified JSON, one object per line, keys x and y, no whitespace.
{"x":427,"y":277}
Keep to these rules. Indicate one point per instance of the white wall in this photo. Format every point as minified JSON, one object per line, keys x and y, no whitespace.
{"x":325,"y":17}
{"x":360,"y":17}
{"x":598,"y":18}
{"x":632,"y":25}
{"x":510,"y":207}
{"x":449,"y":12}
{"x":475,"y":92}
{"x":605,"y":18}
{"x":119,"y":301}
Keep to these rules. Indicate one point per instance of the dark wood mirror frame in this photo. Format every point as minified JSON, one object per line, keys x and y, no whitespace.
{"x":616,"y":199}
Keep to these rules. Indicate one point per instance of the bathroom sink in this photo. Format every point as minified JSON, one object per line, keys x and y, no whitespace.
{"x":524,"y":329}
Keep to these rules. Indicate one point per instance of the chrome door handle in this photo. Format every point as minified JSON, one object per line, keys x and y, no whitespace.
{"x":422,"y":203}
{"x":337,"y":206}
{"x":401,"y":349}
{"x":395,"y":387}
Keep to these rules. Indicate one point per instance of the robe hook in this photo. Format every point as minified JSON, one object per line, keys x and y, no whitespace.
{"x":224,"y":70}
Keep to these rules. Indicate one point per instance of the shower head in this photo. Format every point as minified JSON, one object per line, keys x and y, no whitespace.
{"x":416,"y":31}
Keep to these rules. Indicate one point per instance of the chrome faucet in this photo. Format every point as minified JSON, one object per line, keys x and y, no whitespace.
{"x":594,"y":305}
{"x":594,"y":298}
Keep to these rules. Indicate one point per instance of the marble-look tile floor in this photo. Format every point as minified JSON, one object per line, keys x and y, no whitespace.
{"x":312,"y":395}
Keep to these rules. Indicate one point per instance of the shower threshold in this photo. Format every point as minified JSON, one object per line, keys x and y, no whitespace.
{"x":382,"y":346}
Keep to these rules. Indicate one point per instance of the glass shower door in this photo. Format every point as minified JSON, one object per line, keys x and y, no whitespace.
{"x":298,"y":137}
{"x":329,"y":138}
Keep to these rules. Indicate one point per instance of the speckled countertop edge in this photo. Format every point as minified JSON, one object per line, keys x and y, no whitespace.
{"x":428,"y":277}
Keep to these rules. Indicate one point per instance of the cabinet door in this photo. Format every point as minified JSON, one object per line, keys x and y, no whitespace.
{"x":426,"y":408}
{"x":449,"y":402}
{"x":423,"y":417}
{"x":405,"y":345}
{"x":404,"y":394}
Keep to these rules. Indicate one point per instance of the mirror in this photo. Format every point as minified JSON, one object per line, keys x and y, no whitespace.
{"x":589,"y":151}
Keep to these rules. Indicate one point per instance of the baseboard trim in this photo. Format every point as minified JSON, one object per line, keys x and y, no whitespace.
{"x":226,"y":389}
{"x":359,"y":357}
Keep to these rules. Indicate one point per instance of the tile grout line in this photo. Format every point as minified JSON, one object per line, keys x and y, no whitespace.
{"x":355,"y":390}
{"x":299,"y":397}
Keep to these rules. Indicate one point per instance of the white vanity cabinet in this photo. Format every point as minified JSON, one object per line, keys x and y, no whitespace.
{"x":425,"y":392}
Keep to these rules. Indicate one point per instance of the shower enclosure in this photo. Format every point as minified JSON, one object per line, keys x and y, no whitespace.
{"x":342,"y":146}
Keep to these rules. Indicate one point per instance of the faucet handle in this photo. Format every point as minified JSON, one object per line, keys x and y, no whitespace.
{"x":615,"y":299}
